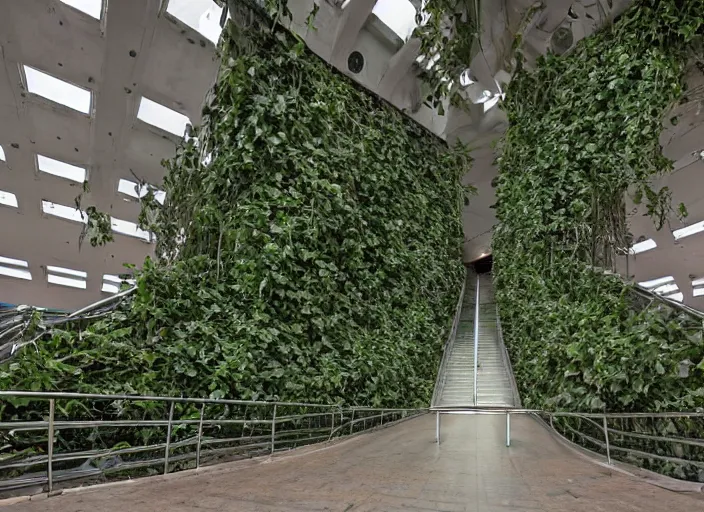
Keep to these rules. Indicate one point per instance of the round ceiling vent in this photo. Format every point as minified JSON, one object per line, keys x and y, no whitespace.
{"x":355,"y":62}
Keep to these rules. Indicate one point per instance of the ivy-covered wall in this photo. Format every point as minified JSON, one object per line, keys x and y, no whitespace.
{"x":309,"y":249}
{"x":584,"y":132}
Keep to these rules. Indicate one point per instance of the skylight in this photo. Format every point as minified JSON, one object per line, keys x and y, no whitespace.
{"x":398,"y":15}
{"x":57,"y":90}
{"x":2,"y":154}
{"x":90,"y":7}
{"x":689,"y":230}
{"x":63,"y":212}
{"x":61,"y":169}
{"x":8,"y":199}
{"x":132,"y":189}
{"x":66,"y":277}
{"x":654,"y":283}
{"x":162,"y":117}
{"x":125,"y":227}
{"x":640,"y":247}
{"x":111,"y":283}
{"x":11,"y":267}
{"x":202,"y":16}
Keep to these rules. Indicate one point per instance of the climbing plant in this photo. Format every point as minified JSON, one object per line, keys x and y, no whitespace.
{"x":583,"y":132}
{"x":309,"y":250}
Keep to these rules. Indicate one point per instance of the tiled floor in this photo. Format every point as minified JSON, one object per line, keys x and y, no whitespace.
{"x":399,"y":468}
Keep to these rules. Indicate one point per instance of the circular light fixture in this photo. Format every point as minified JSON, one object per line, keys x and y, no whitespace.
{"x":355,"y":62}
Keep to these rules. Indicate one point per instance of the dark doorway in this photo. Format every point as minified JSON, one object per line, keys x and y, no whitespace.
{"x":483,"y":266}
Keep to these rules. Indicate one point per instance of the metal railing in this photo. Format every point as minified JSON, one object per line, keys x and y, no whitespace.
{"x":81,"y":436}
{"x":447,"y":349}
{"x":507,"y":360}
{"x":633,"y":438}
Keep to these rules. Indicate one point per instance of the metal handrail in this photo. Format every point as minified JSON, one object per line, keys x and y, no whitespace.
{"x":266,"y":434}
{"x":507,"y":360}
{"x":449,"y":343}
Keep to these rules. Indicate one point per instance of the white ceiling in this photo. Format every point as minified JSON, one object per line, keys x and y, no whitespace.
{"x":138,"y":70}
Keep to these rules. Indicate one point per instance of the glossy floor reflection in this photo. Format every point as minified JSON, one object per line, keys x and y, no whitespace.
{"x":398,"y":468}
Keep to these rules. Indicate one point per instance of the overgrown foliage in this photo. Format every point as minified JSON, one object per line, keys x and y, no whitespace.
{"x":309,"y":249}
{"x":583,"y":131}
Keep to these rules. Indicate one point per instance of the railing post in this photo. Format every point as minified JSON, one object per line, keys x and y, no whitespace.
{"x":200,"y":435}
{"x":50,"y":447}
{"x":332,"y":423}
{"x":382,"y":416}
{"x":606,"y":436}
{"x":273,"y":430}
{"x":476,"y":340}
{"x":508,"y":429}
{"x":437,"y":427}
{"x":352,"y":423}
{"x":168,"y":438}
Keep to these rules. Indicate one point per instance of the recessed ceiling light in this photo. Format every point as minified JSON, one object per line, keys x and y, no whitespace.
{"x":678,"y":297}
{"x":132,"y":189}
{"x":202,"y":16}
{"x":643,"y":246}
{"x":57,"y":90}
{"x":689,"y":230}
{"x":11,"y":267}
{"x":17,"y":273}
{"x":13,"y":262}
{"x":90,"y":7}
{"x":67,"y":271}
{"x":125,"y":227}
{"x":61,"y":169}
{"x":666,"y":289}
{"x":63,"y":212}
{"x":8,"y":199}
{"x":162,"y":117}
{"x":66,"y":277}
{"x":66,"y":281}
{"x":398,"y":15}
{"x":654,"y":283}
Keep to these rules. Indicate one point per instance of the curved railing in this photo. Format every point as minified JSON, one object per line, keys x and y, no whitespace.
{"x":69,"y":437}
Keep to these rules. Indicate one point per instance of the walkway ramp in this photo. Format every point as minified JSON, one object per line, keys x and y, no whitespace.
{"x":494,"y":381}
{"x":398,"y":468}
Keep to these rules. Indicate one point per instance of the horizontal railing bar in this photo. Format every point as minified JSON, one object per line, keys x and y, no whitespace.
{"x":67,"y":425}
{"x":46,"y":395}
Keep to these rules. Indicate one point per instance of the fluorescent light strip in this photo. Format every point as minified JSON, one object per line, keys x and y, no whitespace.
{"x":202,"y":16}
{"x":61,"y":169}
{"x":162,"y":117}
{"x":643,"y":246}
{"x":90,"y":7}
{"x":57,"y":90}
{"x":13,"y":262}
{"x":2,"y":154}
{"x":132,"y":189}
{"x":677,"y":297}
{"x":654,"y":283}
{"x":67,"y":271}
{"x":689,"y":230}
{"x":66,"y":281}
{"x":17,"y":273}
{"x":63,"y":212}
{"x":125,"y":227}
{"x":8,"y":199}
{"x":698,"y":292}
{"x":698,"y":282}
{"x":110,"y":288}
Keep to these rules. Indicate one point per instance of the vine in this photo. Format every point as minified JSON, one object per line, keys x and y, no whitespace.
{"x":583,"y":131}
{"x":309,"y":249}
